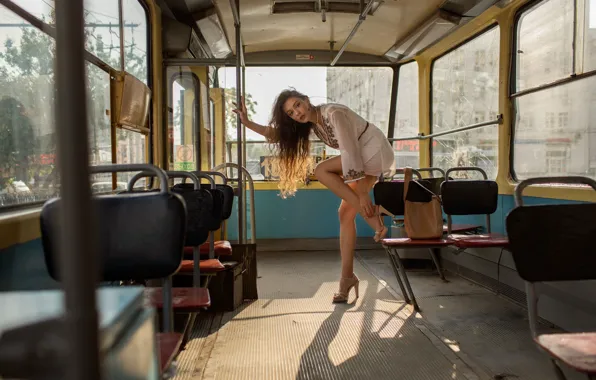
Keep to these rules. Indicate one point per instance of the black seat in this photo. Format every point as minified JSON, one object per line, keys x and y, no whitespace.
{"x":434,"y":183}
{"x":471,"y":197}
{"x":555,"y":243}
{"x":141,"y":238}
{"x":390,"y":194}
{"x":141,"y":235}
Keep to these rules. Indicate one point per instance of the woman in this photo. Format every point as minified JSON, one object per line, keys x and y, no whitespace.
{"x":366,"y":154}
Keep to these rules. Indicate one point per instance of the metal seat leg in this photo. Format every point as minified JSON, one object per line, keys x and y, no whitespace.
{"x":433,"y":255}
{"x":402,"y":271}
{"x":397,"y":276}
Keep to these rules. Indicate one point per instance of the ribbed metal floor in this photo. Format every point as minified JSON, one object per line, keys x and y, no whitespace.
{"x":489,"y":332}
{"x":294,"y":331}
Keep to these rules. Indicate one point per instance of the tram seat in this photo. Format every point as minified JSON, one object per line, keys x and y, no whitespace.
{"x":149,"y":248}
{"x":222,"y":248}
{"x":433,"y":183}
{"x":555,"y":243}
{"x":390,"y":196}
{"x":472,"y":197}
{"x":200,"y":205}
{"x":183,"y":299}
{"x":208,"y":267}
{"x":225,"y":197}
{"x":461,"y":228}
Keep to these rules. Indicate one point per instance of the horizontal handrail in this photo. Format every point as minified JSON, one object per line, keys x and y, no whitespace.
{"x":571,"y":180}
{"x":465,"y":169}
{"x":497,"y":121}
{"x":150,"y":169}
{"x":431,"y":170}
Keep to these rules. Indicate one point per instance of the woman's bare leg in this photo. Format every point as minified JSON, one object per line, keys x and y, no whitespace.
{"x":327,"y":172}
{"x":347,"y":232}
{"x":347,"y":238}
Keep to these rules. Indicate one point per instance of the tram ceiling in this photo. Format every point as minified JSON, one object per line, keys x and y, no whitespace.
{"x":394,"y":29}
{"x":196,"y":25}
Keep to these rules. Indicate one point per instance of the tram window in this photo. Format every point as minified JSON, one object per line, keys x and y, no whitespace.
{"x":27,"y":142}
{"x":43,"y":10}
{"x":554,"y":128}
{"x":207,"y":131}
{"x":131,"y":149}
{"x":590,"y":36}
{"x":135,"y":39}
{"x":183,"y":104}
{"x":100,"y":141}
{"x":556,"y":138}
{"x":465,"y":85}
{"x":367,"y":90}
{"x":28,"y":172}
{"x":406,"y":117}
{"x":102,"y":30}
{"x":544,"y":43}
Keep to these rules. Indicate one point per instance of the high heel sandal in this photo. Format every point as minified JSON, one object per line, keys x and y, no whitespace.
{"x":345,"y":285}
{"x":380,"y":235}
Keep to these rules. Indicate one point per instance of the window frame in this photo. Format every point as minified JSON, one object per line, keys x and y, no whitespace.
{"x":196,"y":127}
{"x":513,"y":95}
{"x":50,"y":30}
{"x":394,"y":107}
{"x":494,"y":24}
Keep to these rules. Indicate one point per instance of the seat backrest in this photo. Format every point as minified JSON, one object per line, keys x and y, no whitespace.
{"x":553,"y":242}
{"x":391,"y":194}
{"x":228,"y":199}
{"x":141,"y":235}
{"x":434,"y":183}
{"x":469,"y":197}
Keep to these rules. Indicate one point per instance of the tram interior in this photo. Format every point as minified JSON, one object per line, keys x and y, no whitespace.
{"x":203,"y":271}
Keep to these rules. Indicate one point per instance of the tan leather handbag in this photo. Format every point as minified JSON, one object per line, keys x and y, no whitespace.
{"x":423,"y":217}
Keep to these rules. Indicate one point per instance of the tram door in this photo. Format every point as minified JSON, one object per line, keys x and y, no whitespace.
{"x":183,"y":143}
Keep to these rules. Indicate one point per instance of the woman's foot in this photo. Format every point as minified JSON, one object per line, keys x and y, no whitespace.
{"x":381,"y":230}
{"x":380,"y":235}
{"x":345,"y":285}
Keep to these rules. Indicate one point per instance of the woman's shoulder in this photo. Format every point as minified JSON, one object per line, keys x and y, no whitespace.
{"x":330,"y":108}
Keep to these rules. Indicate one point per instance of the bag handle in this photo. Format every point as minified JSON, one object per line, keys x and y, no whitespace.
{"x":407,"y":179}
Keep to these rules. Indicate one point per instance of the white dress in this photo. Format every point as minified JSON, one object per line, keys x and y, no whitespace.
{"x":364,"y":150}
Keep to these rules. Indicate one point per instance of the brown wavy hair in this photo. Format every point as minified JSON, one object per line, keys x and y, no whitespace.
{"x":292,"y":145}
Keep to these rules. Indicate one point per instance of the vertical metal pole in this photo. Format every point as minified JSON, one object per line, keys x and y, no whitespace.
{"x":78,"y":272}
{"x":393,"y":106}
{"x":114,"y":130}
{"x":244,"y":94}
{"x":241,"y":194}
{"x":121,"y":20}
{"x":244,"y":228}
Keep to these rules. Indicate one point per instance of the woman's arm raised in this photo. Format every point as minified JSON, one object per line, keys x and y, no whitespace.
{"x":260,"y":129}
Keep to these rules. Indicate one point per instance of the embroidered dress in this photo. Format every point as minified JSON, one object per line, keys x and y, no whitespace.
{"x":364,"y":148}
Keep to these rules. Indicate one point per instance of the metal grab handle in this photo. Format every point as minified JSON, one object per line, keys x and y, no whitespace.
{"x":193,"y":175}
{"x":463,"y":169}
{"x":403,"y":171}
{"x":431,"y":170}
{"x":173,"y":174}
{"x":180,"y":174}
{"x":223,"y":176}
{"x":571,"y":180}
{"x":211,"y":180}
{"x":155,"y":171}
{"x":251,"y":189}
